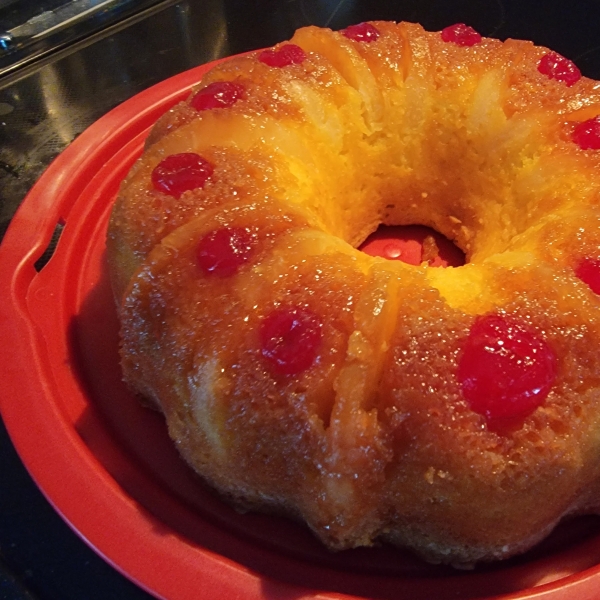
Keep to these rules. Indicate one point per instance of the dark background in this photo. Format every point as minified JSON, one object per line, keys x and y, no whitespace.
{"x":51,"y":90}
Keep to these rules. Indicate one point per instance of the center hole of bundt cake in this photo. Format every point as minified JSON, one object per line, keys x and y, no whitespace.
{"x":413,"y":244}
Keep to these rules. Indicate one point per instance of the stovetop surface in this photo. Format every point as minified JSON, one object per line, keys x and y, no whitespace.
{"x":49,"y":96}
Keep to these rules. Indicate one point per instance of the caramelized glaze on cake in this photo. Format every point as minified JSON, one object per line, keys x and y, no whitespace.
{"x":453,"y":411}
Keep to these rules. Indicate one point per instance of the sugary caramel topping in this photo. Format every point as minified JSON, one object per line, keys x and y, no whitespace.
{"x":288,"y":54}
{"x":179,"y":173}
{"x":560,"y":68}
{"x":587,"y":134}
{"x":505,"y":371}
{"x":223,"y":251}
{"x":290,"y":338}
{"x":219,"y":94}
{"x":363,"y":32}
{"x":461,"y":34}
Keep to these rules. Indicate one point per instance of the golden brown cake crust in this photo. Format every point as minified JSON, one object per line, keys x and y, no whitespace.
{"x":364,"y":425}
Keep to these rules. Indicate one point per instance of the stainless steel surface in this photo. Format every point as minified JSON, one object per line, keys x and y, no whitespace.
{"x":30,"y":30}
{"x":66,"y":15}
{"x":45,"y":108}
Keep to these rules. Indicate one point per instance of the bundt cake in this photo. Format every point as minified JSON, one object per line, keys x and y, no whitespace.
{"x":454,"y":411}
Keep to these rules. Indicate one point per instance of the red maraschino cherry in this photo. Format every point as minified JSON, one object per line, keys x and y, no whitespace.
{"x":588,"y":270}
{"x":220,"y":94}
{"x":506,"y":371}
{"x":587,"y":134}
{"x":180,"y":173}
{"x":223,"y":251}
{"x":363,"y":32}
{"x":555,"y":66}
{"x":290,"y":339}
{"x":288,"y":54}
{"x":461,"y":35}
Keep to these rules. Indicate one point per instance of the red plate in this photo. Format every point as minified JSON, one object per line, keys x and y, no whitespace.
{"x":106,"y":463}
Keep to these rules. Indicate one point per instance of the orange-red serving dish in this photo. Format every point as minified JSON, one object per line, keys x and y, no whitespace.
{"x":107,"y":465}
